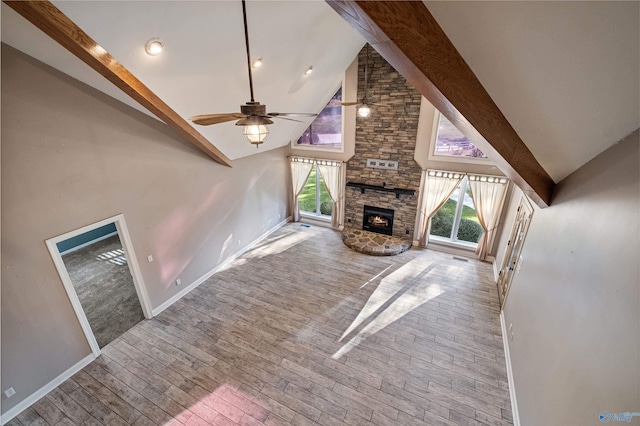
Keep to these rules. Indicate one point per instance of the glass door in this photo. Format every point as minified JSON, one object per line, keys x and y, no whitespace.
{"x":514,"y":248}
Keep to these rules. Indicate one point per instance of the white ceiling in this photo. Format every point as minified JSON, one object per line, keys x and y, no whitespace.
{"x":565,"y":74}
{"x":203,"y":67}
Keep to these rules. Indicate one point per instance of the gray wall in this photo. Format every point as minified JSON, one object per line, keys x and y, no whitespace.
{"x":72,"y":156}
{"x":575,"y":304}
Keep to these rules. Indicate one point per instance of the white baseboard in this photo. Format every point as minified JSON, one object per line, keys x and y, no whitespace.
{"x":452,"y":250}
{"x":316,"y":222}
{"x":34,"y":397}
{"x":209,"y":274}
{"x":507,"y":356}
{"x":495,"y":271}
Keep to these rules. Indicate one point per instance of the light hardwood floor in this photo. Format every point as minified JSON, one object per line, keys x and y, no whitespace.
{"x":301,"y":330}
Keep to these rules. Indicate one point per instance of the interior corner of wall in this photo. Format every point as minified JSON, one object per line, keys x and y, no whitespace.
{"x":350,"y":91}
{"x":425,"y":130}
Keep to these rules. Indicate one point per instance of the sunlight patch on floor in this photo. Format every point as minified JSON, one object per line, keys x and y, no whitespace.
{"x":277,"y":245}
{"x":397,"y":294}
{"x":375,"y":277}
{"x":269,"y":246}
{"x":352,"y":301}
{"x":117,"y":257}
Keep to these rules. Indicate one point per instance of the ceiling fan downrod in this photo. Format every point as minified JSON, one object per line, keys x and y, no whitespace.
{"x":253,"y":116}
{"x":246,"y":41}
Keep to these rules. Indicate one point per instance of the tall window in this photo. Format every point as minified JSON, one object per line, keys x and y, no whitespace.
{"x":314,"y":199}
{"x":326,"y":129}
{"x":456,"y":221}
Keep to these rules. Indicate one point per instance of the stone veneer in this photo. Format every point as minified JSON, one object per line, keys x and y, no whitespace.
{"x":389,"y":133}
{"x":374,"y":244}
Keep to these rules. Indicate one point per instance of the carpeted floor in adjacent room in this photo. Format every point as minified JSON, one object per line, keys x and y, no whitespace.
{"x":104,"y":285}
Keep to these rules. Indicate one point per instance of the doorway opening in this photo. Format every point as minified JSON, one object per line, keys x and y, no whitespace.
{"x":100,"y":273}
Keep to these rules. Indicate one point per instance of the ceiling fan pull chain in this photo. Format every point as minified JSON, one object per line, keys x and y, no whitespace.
{"x":246,"y":40}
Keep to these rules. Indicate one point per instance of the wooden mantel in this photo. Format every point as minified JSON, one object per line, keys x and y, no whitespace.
{"x":409,"y":38}
{"x":54,"y":23}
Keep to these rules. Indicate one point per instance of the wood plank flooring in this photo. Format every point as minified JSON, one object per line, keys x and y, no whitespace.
{"x":303,"y":331}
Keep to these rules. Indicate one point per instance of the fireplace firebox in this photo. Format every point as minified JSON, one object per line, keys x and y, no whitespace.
{"x":378,"y":219}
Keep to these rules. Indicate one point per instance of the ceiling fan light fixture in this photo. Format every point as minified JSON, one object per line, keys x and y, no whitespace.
{"x":255,"y":129}
{"x":153,"y":47}
{"x":309,"y":70}
{"x":257,"y":63}
{"x":364,"y":111}
{"x":256,"y":134}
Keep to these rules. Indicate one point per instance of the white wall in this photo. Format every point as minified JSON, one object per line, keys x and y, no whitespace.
{"x":72,"y":156}
{"x":575,"y":306}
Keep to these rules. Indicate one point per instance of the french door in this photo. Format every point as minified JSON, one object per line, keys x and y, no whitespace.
{"x":511,"y":263}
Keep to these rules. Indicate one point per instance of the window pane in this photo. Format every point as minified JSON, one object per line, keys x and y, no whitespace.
{"x":470,"y":229}
{"x":442,"y":221}
{"x":307,"y":198}
{"x":453,"y":142}
{"x":326,"y":203}
{"x":326,"y":129}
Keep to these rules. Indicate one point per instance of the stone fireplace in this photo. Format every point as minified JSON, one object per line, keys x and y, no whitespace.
{"x":386,"y":137}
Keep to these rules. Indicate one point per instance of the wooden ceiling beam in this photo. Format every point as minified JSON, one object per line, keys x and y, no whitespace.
{"x":54,"y":23}
{"x":409,"y":38}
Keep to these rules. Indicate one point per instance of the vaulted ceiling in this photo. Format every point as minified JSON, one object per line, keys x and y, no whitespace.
{"x":202,"y":69}
{"x":564,"y":74}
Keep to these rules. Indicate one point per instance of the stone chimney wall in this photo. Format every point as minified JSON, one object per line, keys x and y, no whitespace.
{"x":389,"y":133}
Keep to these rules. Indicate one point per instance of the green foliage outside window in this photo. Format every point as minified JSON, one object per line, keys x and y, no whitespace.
{"x":307,"y":198}
{"x":442,"y":223}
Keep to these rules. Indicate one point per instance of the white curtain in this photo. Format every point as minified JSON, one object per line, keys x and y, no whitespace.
{"x":438,"y":187}
{"x":331,"y":172}
{"x":488,"y":194}
{"x":300,"y":171}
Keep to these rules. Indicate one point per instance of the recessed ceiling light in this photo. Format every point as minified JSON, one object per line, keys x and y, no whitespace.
{"x":153,"y":46}
{"x":257,"y":63}
{"x":309,"y":70}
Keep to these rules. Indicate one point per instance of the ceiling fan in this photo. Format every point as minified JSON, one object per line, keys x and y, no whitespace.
{"x":364,"y":107}
{"x":253,"y":115}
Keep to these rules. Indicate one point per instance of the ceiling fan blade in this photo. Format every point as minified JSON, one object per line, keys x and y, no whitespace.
{"x":348,"y":103}
{"x":292,"y":114}
{"x":209,"y":119}
{"x":288,"y":119}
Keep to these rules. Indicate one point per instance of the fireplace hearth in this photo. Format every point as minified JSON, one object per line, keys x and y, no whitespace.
{"x":378,"y":219}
